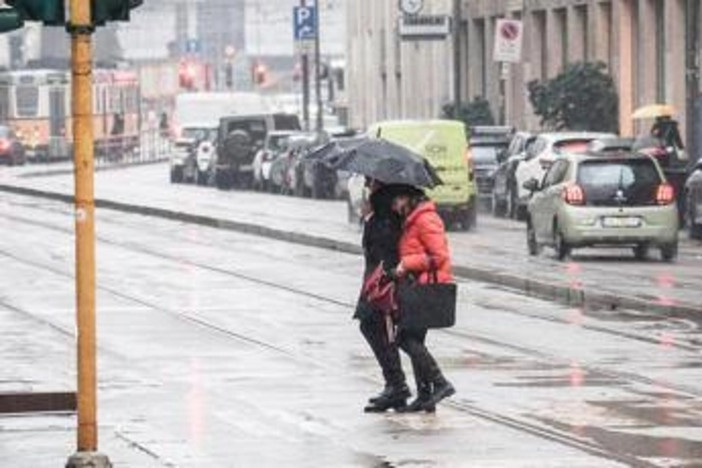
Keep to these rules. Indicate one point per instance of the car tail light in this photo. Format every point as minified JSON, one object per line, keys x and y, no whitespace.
{"x":574,"y":195}
{"x":4,"y":144}
{"x":665,"y":195}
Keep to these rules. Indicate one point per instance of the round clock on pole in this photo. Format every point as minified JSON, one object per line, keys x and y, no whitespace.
{"x":411,"y":7}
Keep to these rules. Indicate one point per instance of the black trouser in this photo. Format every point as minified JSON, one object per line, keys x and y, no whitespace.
{"x":386,"y":353}
{"x":426,"y":369}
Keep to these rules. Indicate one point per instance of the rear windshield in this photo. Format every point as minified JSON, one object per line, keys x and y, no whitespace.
{"x":485,"y":155}
{"x":199,"y":133}
{"x":627,"y":182}
{"x":573,"y":146}
{"x":286,"y":122}
{"x":277,"y":142}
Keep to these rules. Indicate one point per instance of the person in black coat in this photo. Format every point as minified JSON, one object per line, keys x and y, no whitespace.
{"x":381,"y":235}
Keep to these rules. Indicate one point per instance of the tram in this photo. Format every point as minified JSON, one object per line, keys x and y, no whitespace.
{"x":36,"y":104}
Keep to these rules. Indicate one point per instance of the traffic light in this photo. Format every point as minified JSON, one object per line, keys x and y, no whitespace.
{"x":49,"y":12}
{"x":112,"y":10}
{"x":260,"y":74}
{"x":187,"y":75}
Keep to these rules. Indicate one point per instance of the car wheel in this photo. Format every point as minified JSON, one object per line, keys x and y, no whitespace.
{"x":511,"y":204}
{"x":498,"y":207}
{"x":177,"y":175}
{"x":694,"y":229}
{"x":669,"y":252}
{"x":469,"y":217}
{"x":532,"y":243}
{"x":641,"y":252}
{"x":561,"y":245}
{"x":223,"y":181}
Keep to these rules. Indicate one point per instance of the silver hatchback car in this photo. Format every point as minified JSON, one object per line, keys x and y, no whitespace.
{"x":603,"y":199}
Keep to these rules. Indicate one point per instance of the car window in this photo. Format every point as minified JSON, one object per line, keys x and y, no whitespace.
{"x":485,"y":155}
{"x":536,"y":148}
{"x":556,"y":174}
{"x":619,"y":182}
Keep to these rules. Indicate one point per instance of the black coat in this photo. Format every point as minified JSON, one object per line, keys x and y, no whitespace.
{"x":381,"y":237}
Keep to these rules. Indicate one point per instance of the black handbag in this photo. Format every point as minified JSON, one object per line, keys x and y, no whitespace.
{"x":422,"y":306}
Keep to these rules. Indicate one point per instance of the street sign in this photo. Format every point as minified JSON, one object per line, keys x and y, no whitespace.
{"x":305,"y":23}
{"x":424,"y":27}
{"x":508,"y":40}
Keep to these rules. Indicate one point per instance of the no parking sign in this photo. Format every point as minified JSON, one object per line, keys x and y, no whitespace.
{"x":508,"y":40}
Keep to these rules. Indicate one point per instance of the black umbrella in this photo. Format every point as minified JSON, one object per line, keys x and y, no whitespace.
{"x":387,"y":162}
{"x":333,"y":149}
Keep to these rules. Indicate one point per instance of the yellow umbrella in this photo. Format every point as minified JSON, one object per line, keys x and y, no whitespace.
{"x":652,"y":111}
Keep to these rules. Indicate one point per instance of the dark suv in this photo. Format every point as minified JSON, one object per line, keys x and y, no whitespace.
{"x":239,"y":138}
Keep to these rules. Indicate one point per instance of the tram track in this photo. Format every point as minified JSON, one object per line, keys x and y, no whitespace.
{"x":460,"y":405}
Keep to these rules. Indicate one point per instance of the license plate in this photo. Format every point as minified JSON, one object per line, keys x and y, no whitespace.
{"x":621,"y":222}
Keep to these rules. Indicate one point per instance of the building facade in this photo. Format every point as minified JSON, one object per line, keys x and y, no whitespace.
{"x":388,"y":78}
{"x":650,"y":47}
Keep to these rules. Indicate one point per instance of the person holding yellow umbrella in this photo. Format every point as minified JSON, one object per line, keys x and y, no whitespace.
{"x":665,"y":128}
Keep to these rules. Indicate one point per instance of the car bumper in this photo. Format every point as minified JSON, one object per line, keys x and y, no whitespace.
{"x":583,"y":226}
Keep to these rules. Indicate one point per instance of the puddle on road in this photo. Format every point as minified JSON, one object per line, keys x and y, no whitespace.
{"x":664,"y":411}
{"x":638,"y":445}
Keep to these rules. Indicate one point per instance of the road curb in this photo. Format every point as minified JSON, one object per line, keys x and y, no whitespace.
{"x":566,"y":294}
{"x":98,"y":168}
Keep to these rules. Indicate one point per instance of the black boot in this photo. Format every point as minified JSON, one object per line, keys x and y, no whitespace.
{"x":386,"y":391}
{"x":442,"y":388}
{"x":395,"y":398}
{"x":422,"y":402}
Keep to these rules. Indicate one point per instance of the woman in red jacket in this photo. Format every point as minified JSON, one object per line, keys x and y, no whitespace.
{"x":423,"y":249}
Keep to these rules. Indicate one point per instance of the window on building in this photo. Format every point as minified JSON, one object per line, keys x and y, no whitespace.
{"x":659,"y":13}
{"x":561,"y":18}
{"x":606,"y":16}
{"x":582,"y":18}
{"x":541,"y":46}
{"x":482,"y":55}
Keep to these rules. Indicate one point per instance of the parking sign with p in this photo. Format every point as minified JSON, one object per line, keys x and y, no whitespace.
{"x":305,"y":23}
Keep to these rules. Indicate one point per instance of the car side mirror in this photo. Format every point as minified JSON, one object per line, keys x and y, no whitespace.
{"x":532,"y":185}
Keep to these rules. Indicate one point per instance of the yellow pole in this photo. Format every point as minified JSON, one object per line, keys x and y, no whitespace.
{"x":81,"y":56}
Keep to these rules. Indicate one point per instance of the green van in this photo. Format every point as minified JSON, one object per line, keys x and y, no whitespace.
{"x":445,"y":145}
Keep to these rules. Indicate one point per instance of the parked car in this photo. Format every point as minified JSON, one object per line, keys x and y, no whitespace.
{"x":693,"y":195}
{"x":486,"y":146}
{"x":283,"y":175}
{"x":274,"y":145}
{"x":546,"y":149}
{"x":11,"y":149}
{"x":239,"y":139}
{"x":603,"y":199}
{"x":444,"y":144}
{"x":505,"y":193}
{"x":192,"y":159}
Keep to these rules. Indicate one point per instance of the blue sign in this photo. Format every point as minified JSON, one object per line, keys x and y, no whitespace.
{"x":305,"y":23}
{"x":193,"y":46}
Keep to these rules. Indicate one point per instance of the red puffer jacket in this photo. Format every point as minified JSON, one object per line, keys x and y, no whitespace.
{"x":424,"y":243}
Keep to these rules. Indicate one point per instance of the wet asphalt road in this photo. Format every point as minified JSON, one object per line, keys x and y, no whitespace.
{"x":219,"y":349}
{"x":497,"y":245}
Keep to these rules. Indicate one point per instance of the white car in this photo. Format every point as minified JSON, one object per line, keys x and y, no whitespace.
{"x":274,"y":145}
{"x":541,"y":155}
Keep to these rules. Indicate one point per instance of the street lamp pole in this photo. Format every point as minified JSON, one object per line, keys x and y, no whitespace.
{"x":305,"y":64}
{"x":318,"y":68}
{"x":457,"y":57}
